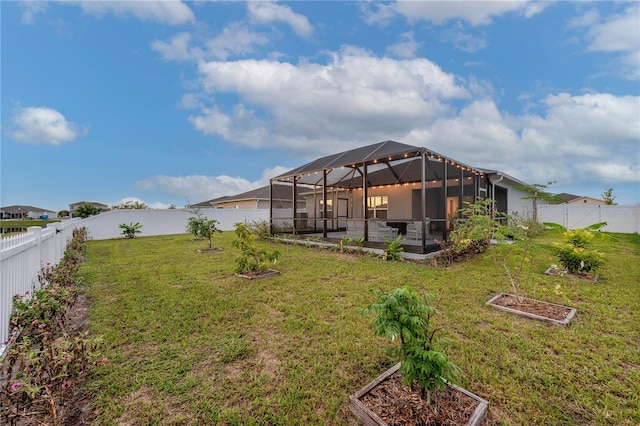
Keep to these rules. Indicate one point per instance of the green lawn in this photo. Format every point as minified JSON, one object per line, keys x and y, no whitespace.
{"x":189,"y":343}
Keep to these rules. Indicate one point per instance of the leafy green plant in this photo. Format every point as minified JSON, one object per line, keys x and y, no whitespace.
{"x":344,"y":242}
{"x":86,"y":211}
{"x":261,"y":229}
{"x":210,"y":227}
{"x":131,"y":205}
{"x":574,"y":254}
{"x":393,"y":248}
{"x":195,"y":224}
{"x":251,"y":257}
{"x":130,"y":230}
{"x":402,"y":314}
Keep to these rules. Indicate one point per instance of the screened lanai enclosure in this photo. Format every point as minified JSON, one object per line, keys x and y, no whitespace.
{"x":378,"y":192}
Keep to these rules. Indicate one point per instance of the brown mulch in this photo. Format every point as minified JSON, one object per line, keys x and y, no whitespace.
{"x":536,"y":307}
{"x":397,"y":405}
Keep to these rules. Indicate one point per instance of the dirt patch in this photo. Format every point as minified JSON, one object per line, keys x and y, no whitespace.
{"x":397,"y":405}
{"x":536,"y":307}
{"x":254,"y":275}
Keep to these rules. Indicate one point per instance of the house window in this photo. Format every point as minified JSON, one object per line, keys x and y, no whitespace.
{"x":378,"y":206}
{"x":329,"y":208}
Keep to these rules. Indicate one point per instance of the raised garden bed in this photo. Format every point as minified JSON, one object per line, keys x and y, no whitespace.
{"x":254,"y":275}
{"x":580,"y":276}
{"x":387,"y":401}
{"x":209,"y":250}
{"x":534,"y":309}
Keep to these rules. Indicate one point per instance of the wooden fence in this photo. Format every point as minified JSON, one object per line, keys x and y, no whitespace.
{"x":22,"y":257}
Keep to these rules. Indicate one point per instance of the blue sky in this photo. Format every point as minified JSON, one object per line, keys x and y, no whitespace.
{"x":181,"y":102}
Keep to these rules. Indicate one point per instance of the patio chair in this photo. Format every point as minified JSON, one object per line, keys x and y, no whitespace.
{"x":378,"y":231}
{"x":414,"y":229}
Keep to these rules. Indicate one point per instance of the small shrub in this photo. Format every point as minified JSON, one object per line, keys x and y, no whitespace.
{"x":251,"y":257}
{"x":130,"y":230}
{"x":46,"y":360}
{"x":208,"y":228}
{"x":578,"y":259}
{"x":393,"y":248}
{"x":402,"y":314}
{"x":262,"y":229}
{"x":578,"y":237}
{"x":195,"y":226}
{"x":574,"y":255}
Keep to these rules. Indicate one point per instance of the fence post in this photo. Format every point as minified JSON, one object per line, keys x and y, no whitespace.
{"x":36,"y":257}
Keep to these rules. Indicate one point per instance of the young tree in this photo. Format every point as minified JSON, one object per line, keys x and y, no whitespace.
{"x":86,"y":211}
{"x":538,"y":191}
{"x":131,"y":205}
{"x":208,"y":228}
{"x":130,"y":230}
{"x":608,"y":197}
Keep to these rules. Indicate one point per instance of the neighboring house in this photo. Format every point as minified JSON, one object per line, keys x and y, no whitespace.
{"x":26,"y":212}
{"x":578,"y":199}
{"x":74,"y":206}
{"x":257,"y":199}
{"x":396,"y":184}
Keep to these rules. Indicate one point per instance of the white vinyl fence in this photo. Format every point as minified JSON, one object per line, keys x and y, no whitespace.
{"x":22,"y":257}
{"x":622,"y":219}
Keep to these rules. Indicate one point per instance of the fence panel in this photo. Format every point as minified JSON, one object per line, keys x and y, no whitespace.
{"x":623,"y":219}
{"x":21,"y":258}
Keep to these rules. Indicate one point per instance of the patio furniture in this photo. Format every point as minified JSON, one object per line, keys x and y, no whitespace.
{"x":414,"y":229}
{"x":378,"y":230}
{"x":355,"y":228}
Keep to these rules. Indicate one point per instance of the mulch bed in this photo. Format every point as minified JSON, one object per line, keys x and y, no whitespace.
{"x":397,"y":405}
{"x":536,"y":307}
{"x":254,"y":275}
{"x":580,"y":276}
{"x":209,"y":250}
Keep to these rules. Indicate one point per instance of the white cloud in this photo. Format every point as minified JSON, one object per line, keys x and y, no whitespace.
{"x":42,"y":125}
{"x":30,"y":9}
{"x":164,"y":12}
{"x":617,"y":34}
{"x":473,"y":12}
{"x":588,"y":138}
{"x":177,"y":49}
{"x":620,"y":33}
{"x":463,"y":41}
{"x":266,"y":12}
{"x":406,"y":47}
{"x":198,"y":188}
{"x":235,"y":39}
{"x":354,"y":94}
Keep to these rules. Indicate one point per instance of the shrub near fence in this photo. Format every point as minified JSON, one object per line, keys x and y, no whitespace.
{"x":22,"y":256}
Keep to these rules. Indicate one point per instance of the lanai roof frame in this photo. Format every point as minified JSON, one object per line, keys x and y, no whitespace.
{"x":384,"y":163}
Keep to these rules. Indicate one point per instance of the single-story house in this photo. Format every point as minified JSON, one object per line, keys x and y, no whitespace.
{"x":26,"y":212}
{"x":389,"y":188}
{"x":256,"y":199}
{"x":74,"y":206}
{"x":578,"y":199}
